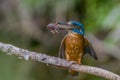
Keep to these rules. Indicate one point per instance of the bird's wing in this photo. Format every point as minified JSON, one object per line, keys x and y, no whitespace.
{"x":61,"y":53}
{"x":89,"y":49}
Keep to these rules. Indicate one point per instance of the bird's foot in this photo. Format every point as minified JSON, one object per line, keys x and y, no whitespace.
{"x":73,"y":62}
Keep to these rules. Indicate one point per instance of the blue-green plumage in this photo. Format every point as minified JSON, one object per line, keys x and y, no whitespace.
{"x":75,"y":23}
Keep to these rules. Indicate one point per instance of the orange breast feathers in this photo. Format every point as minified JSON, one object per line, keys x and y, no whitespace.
{"x":72,"y":47}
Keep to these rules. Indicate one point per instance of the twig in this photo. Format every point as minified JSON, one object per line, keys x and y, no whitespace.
{"x":10,"y":49}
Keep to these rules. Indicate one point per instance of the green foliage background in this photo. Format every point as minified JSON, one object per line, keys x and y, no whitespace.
{"x":23,"y":24}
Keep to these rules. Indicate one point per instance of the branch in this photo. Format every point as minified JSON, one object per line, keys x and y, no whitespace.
{"x":10,"y":49}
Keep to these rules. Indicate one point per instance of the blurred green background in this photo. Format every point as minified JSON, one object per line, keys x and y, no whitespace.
{"x":23,"y":24}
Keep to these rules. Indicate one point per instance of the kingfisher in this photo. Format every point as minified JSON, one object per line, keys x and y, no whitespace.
{"x":74,"y":45}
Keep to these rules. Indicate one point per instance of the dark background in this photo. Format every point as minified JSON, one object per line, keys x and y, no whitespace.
{"x":23,"y":24}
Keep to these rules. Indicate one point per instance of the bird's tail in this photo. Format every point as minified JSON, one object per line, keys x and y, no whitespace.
{"x":74,"y":73}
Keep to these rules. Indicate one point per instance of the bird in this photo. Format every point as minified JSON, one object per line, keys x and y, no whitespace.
{"x":74,"y":45}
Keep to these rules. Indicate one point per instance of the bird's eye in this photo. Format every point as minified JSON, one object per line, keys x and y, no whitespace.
{"x":73,"y":25}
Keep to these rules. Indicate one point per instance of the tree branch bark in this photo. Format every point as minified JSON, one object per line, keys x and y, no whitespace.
{"x":54,"y":61}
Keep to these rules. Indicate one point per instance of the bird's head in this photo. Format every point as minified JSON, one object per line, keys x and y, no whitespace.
{"x":77,"y":27}
{"x":73,"y":26}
